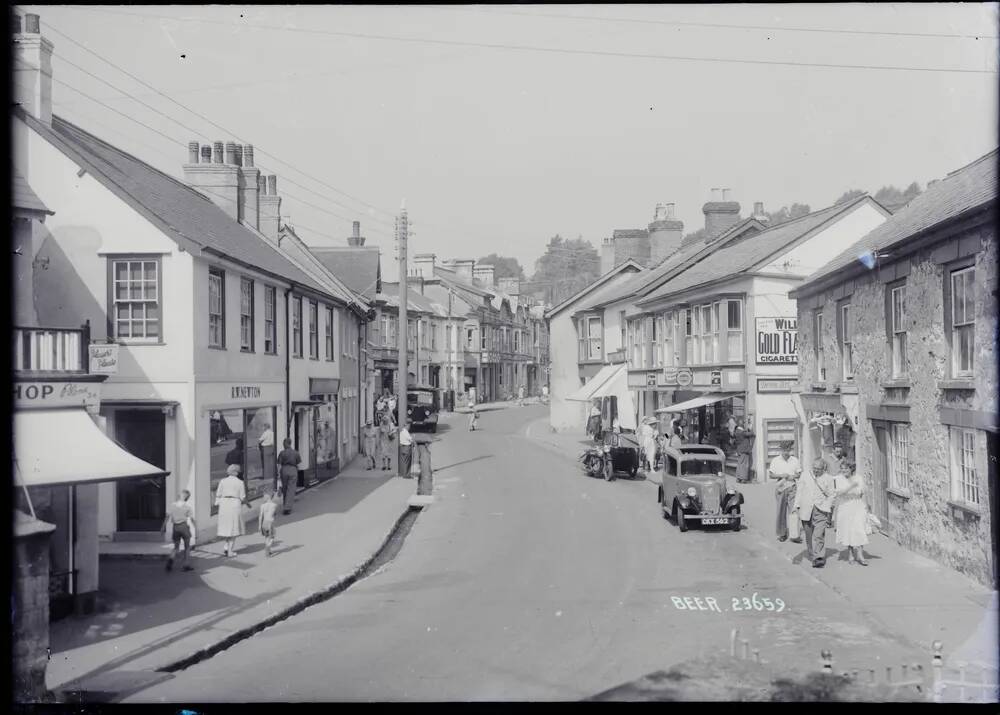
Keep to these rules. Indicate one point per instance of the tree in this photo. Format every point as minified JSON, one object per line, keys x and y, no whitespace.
{"x":894,"y":199}
{"x":694,"y":237}
{"x":567,"y":267}
{"x":503,"y":267}
{"x":787,"y":213}
{"x":849,"y":196}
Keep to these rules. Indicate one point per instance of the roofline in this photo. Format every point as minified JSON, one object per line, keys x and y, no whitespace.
{"x":909,"y":245}
{"x":802,"y":238}
{"x":551,"y":312}
{"x":346,"y":299}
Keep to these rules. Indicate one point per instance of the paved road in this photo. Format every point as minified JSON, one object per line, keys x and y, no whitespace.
{"x":528,"y":580}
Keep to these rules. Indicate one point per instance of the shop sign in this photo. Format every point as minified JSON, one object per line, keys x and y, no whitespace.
{"x":717,"y":377}
{"x":650,"y":379}
{"x":103,"y":358}
{"x":244,"y":392}
{"x":777,"y":341}
{"x":677,"y":376}
{"x":56,"y":394}
{"x":775,"y":385}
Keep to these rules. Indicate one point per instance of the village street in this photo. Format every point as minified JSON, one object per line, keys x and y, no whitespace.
{"x":527,"y":579}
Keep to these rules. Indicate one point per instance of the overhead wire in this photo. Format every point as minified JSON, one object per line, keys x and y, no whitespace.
{"x":555,"y":50}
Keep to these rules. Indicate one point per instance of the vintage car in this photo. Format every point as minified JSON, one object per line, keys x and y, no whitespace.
{"x":624,"y":450}
{"x":695,"y":490}
{"x":422,"y":406}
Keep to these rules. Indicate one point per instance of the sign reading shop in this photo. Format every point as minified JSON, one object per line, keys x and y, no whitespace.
{"x":777,"y":341}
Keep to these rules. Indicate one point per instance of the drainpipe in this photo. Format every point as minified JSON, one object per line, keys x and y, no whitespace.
{"x":288,"y":366}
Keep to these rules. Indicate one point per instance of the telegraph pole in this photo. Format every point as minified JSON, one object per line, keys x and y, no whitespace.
{"x":402,"y":234}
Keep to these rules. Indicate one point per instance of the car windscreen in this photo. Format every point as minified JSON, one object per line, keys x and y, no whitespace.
{"x":701,"y":466}
{"x":420,"y":398}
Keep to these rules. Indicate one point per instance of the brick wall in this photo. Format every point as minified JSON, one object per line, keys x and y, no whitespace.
{"x":30,"y":617}
{"x":923,"y":521}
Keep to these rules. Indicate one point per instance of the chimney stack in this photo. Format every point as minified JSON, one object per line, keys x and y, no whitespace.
{"x":231,"y":154}
{"x":356,"y":239}
{"x":665,"y":234}
{"x":424,"y":264}
{"x":484,"y":273}
{"x":270,"y":209}
{"x":607,"y":255}
{"x":249,"y":186}
{"x":720,"y":214}
{"x":220,"y":182}
{"x":32,"y":70}
{"x":463,"y":267}
{"x":510,"y":285}
{"x":758,"y":212}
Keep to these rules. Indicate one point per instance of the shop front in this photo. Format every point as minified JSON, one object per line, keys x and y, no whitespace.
{"x":830,"y":419}
{"x":241,"y":424}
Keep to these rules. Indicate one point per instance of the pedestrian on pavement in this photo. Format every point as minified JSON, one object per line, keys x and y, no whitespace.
{"x":520,"y":396}
{"x":474,"y":419}
{"x":814,"y":502}
{"x":230,"y":496}
{"x":835,"y":462}
{"x":177,"y":517}
{"x":744,"y":448}
{"x":676,"y":440}
{"x":850,"y":514}
{"x":386,"y":433}
{"x":405,"y":449}
{"x":648,"y":436}
{"x":786,"y":469}
{"x":370,"y":439}
{"x":265,"y":521}
{"x":545,"y":394}
{"x":288,"y":464}
{"x":266,"y":445}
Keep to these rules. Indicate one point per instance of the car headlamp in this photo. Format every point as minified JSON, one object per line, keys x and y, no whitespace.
{"x":730,"y":490}
{"x":607,"y":448}
{"x":692,"y":492}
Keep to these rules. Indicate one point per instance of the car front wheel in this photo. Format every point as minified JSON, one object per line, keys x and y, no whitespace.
{"x":736,"y":522}
{"x":679,"y":518}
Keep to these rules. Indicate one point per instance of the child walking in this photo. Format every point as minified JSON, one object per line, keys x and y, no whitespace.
{"x":268,"y":513}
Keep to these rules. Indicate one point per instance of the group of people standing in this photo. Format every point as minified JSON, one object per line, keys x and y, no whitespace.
{"x":830,"y":495}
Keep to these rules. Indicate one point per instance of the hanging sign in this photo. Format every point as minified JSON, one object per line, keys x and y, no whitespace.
{"x":777,"y":341}
{"x":103,"y":358}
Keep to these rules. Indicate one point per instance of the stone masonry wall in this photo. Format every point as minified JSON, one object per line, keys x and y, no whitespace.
{"x":923,"y":520}
{"x":30,"y":617}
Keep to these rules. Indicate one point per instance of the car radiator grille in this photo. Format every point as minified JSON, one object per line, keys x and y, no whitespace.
{"x":710,"y":499}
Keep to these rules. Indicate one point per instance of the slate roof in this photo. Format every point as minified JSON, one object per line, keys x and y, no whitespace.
{"x":601,"y":280}
{"x":415,"y":301}
{"x":309,"y":262}
{"x":357,"y":267}
{"x":180,"y":212}
{"x":22,"y":196}
{"x":741,"y":256}
{"x":970,"y":188}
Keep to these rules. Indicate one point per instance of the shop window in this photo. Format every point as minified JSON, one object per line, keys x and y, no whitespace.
{"x":236,"y":437}
{"x":964,"y":478}
{"x":898,"y":462}
{"x":818,"y":347}
{"x":734,"y":330}
{"x":963,"y":321}
{"x":134,"y":313}
{"x":216,"y":309}
{"x":270,"y":298}
{"x":297,"y":326}
{"x":323,"y":444}
{"x":897,"y":325}
{"x":776,"y":432}
{"x":246,"y":315}
{"x":844,"y":330}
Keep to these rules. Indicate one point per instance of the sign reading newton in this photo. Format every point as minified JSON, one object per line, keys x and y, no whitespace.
{"x":777,"y":341}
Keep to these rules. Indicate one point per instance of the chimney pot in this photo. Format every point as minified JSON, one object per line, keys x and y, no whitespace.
{"x":217,"y":153}
{"x":262,"y":185}
{"x":248,"y":156}
{"x":758,"y":208}
{"x":230,"y":153}
{"x":32,"y":24}
{"x":192,"y":152}
{"x":670,"y":211}
{"x":272,"y":185}
{"x":238,"y":154}
{"x":206,"y":154}
{"x":356,"y":229}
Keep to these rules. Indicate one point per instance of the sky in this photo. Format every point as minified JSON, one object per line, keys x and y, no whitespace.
{"x":501,"y":126}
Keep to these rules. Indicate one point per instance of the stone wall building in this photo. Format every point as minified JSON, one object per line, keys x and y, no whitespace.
{"x":897,"y":360}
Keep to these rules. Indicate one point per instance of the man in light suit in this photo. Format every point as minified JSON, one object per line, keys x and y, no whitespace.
{"x":814,"y":502}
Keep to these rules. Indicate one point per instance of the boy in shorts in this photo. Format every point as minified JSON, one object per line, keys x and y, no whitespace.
{"x":177,"y":515}
{"x":268,"y":512}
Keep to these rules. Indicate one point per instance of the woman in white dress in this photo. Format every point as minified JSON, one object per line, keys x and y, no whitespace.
{"x":648,"y":436}
{"x":850,"y":514}
{"x":230,"y":496}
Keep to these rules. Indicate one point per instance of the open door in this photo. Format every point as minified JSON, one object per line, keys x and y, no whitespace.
{"x":878,"y":496}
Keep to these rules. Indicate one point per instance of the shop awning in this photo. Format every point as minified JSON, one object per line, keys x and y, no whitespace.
{"x":602,"y":379}
{"x":709,"y":398}
{"x":65,"y":446}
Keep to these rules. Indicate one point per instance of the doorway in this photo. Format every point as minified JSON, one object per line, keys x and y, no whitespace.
{"x":142,"y":502}
{"x":880,"y":475}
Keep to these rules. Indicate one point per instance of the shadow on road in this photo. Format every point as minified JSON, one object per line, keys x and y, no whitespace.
{"x":467,"y":461}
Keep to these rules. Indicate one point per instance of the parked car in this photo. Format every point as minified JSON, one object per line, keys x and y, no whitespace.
{"x":624,"y":451}
{"x":422,"y":406}
{"x":695,"y":490}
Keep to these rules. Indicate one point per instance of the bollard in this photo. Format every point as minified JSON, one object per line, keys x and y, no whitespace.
{"x":888,"y":674}
{"x":854,"y":674}
{"x":733,"y":637}
{"x":756,"y":656}
{"x":827,"y":661}
{"x":961,"y":680}
{"x":903,"y":668}
{"x":746,"y":649}
{"x":871,"y":675}
{"x":937,"y":663}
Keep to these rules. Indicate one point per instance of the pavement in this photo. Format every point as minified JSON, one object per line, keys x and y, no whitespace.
{"x":528,"y":580}
{"x":148,"y":618}
{"x":913,"y":596}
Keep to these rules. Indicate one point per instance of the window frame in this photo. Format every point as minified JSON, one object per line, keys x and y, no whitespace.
{"x":732,"y":332}
{"x":845,"y":341}
{"x":219,"y":274}
{"x":272,"y":292}
{"x":820,"y":356}
{"x":113,"y":301}
{"x":297,"y":326}
{"x":330,"y":344}
{"x":598,"y":340}
{"x":961,"y":488}
{"x":248,"y":317}
{"x":955,"y":329}
{"x":898,"y":455}
{"x":897,"y":331}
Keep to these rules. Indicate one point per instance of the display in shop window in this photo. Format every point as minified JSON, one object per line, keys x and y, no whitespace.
{"x":244,"y":438}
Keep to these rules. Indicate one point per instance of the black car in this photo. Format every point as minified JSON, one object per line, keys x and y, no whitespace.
{"x":624,"y":450}
{"x":422,"y":406}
